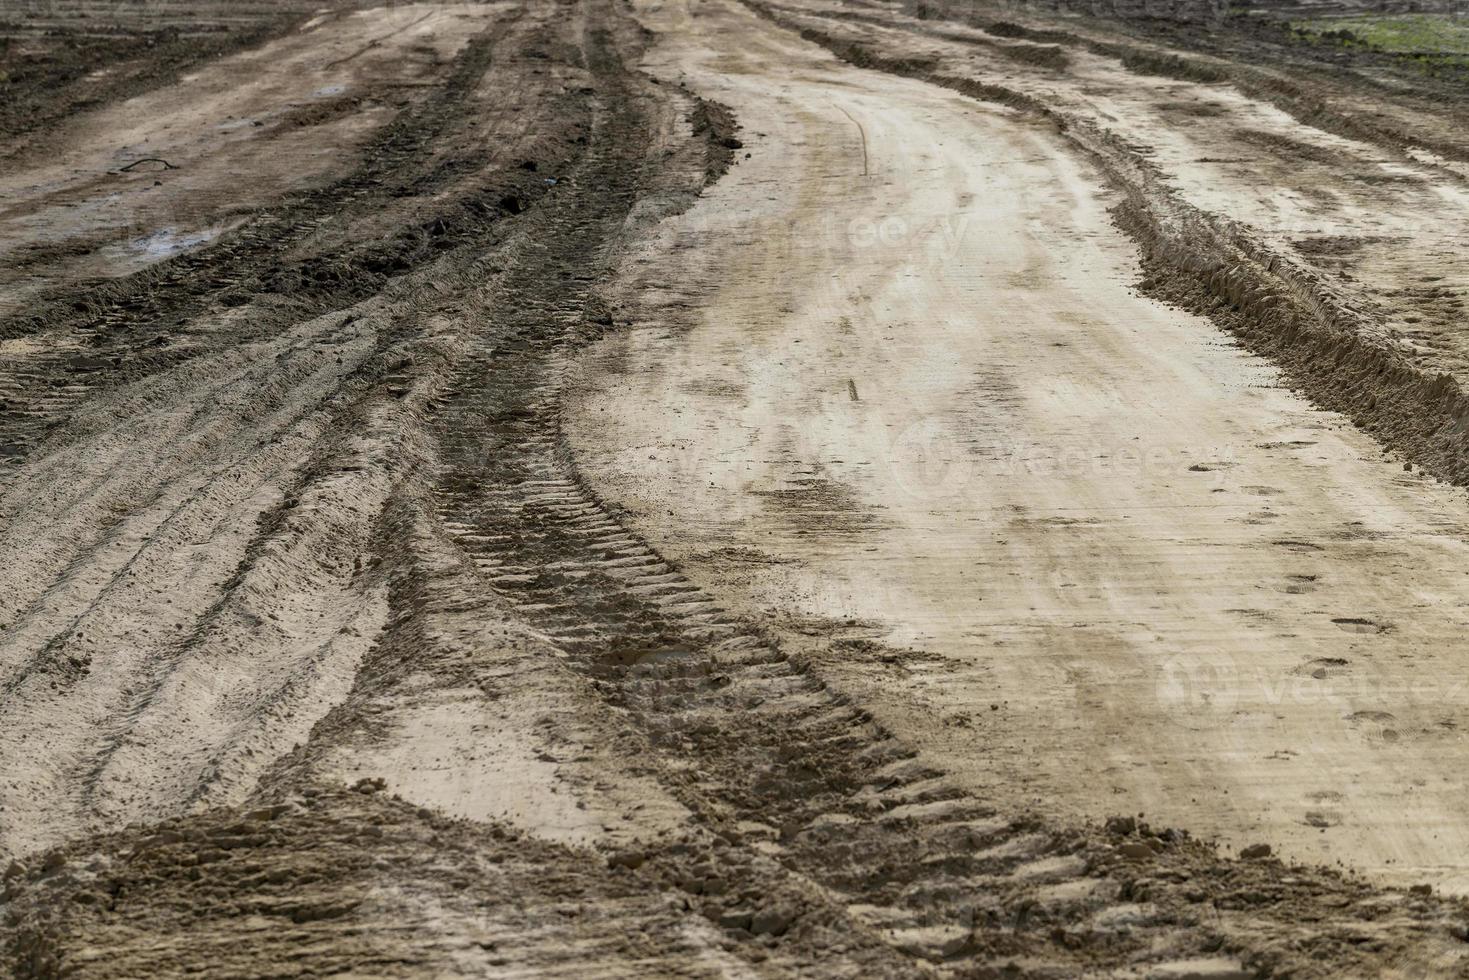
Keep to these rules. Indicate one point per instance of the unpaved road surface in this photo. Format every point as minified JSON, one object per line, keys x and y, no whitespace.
{"x":717,"y":487}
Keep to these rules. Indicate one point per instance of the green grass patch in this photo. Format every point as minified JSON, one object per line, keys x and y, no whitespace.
{"x":1435,"y":44}
{"x":1396,"y":33}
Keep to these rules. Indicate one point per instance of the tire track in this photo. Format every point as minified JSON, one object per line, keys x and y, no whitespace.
{"x":297,"y":261}
{"x":762,"y":752}
{"x":201,"y":523}
{"x":1277,"y":306}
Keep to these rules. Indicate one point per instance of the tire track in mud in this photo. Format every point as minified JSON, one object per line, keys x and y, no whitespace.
{"x":1279,"y":309}
{"x":293,"y":262}
{"x":1152,"y":51}
{"x":53,"y":69}
{"x":270,"y":429}
{"x":770,"y":760}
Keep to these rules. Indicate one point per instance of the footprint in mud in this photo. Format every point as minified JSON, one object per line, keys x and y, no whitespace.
{"x":1254,"y":618}
{"x":1377,"y":717}
{"x":1354,"y":624}
{"x":1322,"y":667}
{"x":1370,"y":718}
{"x":1299,"y":584}
{"x":1357,"y":531}
{"x":1263,"y":491}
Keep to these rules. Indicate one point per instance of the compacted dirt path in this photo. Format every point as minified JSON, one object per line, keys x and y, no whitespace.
{"x":919,"y":415}
{"x":534,"y":541}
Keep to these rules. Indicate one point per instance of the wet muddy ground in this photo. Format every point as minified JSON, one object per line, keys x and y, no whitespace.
{"x":718,"y":487}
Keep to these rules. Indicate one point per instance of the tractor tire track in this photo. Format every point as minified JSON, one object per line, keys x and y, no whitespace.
{"x":760,"y":750}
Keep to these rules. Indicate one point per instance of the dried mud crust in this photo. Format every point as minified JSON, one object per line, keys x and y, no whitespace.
{"x":1276,"y":306}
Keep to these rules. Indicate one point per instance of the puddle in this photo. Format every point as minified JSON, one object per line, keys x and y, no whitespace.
{"x":167,"y":242}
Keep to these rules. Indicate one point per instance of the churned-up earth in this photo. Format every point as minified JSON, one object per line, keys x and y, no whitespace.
{"x":748,"y":488}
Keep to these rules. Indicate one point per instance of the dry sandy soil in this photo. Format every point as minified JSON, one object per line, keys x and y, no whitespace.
{"x":727,"y":488}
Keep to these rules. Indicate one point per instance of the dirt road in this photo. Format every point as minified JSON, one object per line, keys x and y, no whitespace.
{"x":590,"y":489}
{"x":921,"y":418}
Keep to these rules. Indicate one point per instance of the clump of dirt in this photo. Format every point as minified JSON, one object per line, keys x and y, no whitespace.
{"x":330,"y":880}
{"x":716,"y":127}
{"x":1172,"y":66}
{"x":1006,"y":28}
{"x":1042,"y":55}
{"x":1284,"y":145}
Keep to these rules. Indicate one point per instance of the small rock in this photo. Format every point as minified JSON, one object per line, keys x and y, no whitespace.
{"x":1421,"y":890}
{"x":1135,"y":850}
{"x":1122,"y":826}
{"x":631,"y":860}
{"x":1255,"y":851}
{"x":773,"y":920}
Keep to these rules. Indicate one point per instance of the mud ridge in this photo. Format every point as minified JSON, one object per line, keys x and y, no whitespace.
{"x":337,"y":880}
{"x":1328,"y":350}
{"x":1273,"y":87}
